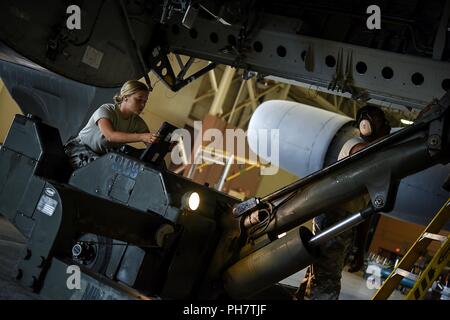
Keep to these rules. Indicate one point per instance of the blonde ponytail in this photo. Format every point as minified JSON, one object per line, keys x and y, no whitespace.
{"x":128,"y":88}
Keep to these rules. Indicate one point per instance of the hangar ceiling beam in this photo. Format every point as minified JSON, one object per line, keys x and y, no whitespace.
{"x":219,"y":98}
{"x":279,"y":53}
{"x":213,"y":80}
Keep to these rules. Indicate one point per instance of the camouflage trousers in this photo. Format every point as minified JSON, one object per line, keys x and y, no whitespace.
{"x":79,"y":154}
{"x":324,"y":278}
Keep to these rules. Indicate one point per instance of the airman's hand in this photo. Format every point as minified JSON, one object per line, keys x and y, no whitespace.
{"x":150,"y":137}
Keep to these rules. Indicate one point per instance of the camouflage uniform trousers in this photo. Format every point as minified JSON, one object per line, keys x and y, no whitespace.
{"x":79,"y":154}
{"x":325,"y":274}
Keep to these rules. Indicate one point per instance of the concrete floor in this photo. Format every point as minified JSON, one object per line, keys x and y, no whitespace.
{"x":12,"y":243}
{"x":353,"y":286}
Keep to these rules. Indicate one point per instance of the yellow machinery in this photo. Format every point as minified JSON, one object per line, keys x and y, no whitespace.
{"x":434,"y":267}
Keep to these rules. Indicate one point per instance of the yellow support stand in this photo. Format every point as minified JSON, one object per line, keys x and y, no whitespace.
{"x":431,"y":272}
{"x":434,"y":268}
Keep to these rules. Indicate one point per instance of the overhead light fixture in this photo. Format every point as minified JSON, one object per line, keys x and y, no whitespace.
{"x":191,"y":201}
{"x":407,"y":122}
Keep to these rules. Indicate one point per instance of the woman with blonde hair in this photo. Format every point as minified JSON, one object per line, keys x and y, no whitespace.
{"x":112,"y":125}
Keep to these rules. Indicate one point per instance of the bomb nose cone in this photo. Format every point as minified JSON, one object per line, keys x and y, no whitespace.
{"x":305,"y":133}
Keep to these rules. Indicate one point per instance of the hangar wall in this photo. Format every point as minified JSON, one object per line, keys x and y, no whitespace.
{"x":8,"y":108}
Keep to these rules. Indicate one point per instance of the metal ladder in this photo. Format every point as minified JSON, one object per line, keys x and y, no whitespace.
{"x":434,"y":267}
